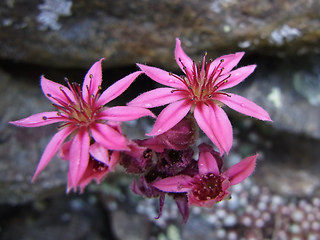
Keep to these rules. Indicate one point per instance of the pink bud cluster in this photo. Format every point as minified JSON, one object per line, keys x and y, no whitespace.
{"x":90,"y":136}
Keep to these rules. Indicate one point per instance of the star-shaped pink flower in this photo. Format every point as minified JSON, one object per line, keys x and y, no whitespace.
{"x":200,"y":91}
{"x":210,"y":185}
{"x":83,"y":117}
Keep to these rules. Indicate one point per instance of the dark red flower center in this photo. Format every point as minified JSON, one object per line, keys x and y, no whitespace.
{"x":207,"y":187}
{"x":98,"y":166}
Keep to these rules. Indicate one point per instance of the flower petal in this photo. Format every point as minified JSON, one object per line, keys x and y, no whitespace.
{"x":229,"y":62}
{"x":157,"y":97}
{"x":92,"y":80}
{"x":124,"y":113}
{"x":179,"y":184}
{"x":240,"y":171}
{"x":114,"y":160}
{"x":38,"y":120}
{"x":237,"y":76}
{"x":117,"y":88}
{"x":99,"y":153}
{"x":162,"y":77}
{"x":215,"y":124}
{"x":108,"y":137}
{"x":183,"y":60}
{"x":170,"y":116}
{"x":53,"y":91}
{"x":79,"y":155}
{"x":243,"y":105}
{"x":208,"y":164}
{"x":52,"y":148}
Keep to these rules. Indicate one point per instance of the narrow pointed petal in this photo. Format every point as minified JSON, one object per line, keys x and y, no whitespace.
{"x":162,"y":77}
{"x":158,"y":97}
{"x":124,"y":113}
{"x":170,"y":116}
{"x":179,"y":184}
{"x":182,"y":204}
{"x":237,"y":76}
{"x":92,"y":80}
{"x":117,"y":88}
{"x":55,"y":90}
{"x":161,"y":204}
{"x":208,"y":164}
{"x":108,"y":137}
{"x":99,"y":153}
{"x":215,"y":124}
{"x":64,"y":150}
{"x":243,"y":105}
{"x":114,"y":160}
{"x":51,"y":149}
{"x":79,"y":155}
{"x":38,"y":120}
{"x":182,"y":58}
{"x":229,"y":62}
{"x":240,"y":171}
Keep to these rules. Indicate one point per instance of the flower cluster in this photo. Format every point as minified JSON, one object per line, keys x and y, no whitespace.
{"x":90,"y":137}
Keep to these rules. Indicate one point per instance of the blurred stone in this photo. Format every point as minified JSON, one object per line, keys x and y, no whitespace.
{"x":132,"y":226}
{"x":21,"y":148}
{"x":76,"y":33}
{"x":60,"y":217}
{"x":289,"y":90}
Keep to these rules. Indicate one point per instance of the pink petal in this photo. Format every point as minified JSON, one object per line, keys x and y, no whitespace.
{"x":92,"y":80}
{"x":208,"y":164}
{"x":56,"y":90}
{"x":240,"y":171}
{"x":162,"y":77}
{"x":108,"y":137}
{"x":215,"y":124}
{"x":117,"y":88}
{"x":170,"y":116}
{"x":99,"y":153}
{"x":124,"y":113}
{"x":229,"y":62}
{"x":114,"y":160}
{"x":52,"y":148}
{"x":180,"y":183}
{"x":243,"y":105}
{"x":182,"y":58}
{"x":157,"y":97}
{"x":64,"y":150}
{"x":79,"y":155}
{"x":237,"y":76}
{"x":38,"y":120}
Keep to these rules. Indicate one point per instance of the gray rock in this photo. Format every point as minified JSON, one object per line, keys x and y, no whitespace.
{"x":289,"y":90}
{"x":76,"y":33}
{"x":21,"y":148}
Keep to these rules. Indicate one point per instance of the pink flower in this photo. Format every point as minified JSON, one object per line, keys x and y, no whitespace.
{"x":210,"y":185}
{"x":200,"y":91}
{"x":84,"y":118}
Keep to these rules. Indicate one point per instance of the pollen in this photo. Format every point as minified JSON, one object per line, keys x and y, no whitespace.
{"x":207,"y":187}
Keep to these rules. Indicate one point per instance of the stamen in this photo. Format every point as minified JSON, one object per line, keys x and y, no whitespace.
{"x":44,"y":118}
{"x":179,"y":78}
{"x":64,"y":93}
{"x":222,"y":82}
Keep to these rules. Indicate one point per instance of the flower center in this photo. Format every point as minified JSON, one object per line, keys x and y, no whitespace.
{"x":98,"y":166}
{"x":203,"y":80}
{"x":77,"y":110}
{"x":207,"y":187}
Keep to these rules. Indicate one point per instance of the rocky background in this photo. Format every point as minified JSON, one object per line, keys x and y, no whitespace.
{"x":64,"y":38}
